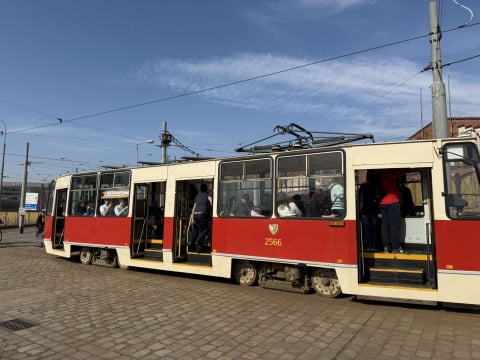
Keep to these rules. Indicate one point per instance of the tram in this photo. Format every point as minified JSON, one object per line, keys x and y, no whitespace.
{"x":317,"y":252}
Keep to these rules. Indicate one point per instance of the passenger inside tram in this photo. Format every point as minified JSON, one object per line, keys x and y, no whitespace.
{"x":337,"y":197}
{"x":155,"y":219}
{"x":107,"y":208}
{"x":319,"y":203}
{"x":122,"y":208}
{"x":286,"y":207}
{"x":243,"y":207}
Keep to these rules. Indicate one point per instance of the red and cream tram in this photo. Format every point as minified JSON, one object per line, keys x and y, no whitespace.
{"x":317,"y":251}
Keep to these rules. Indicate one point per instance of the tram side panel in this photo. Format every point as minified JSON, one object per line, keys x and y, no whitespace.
{"x":458,"y":249}
{"x":98,"y":231}
{"x":287,"y":240}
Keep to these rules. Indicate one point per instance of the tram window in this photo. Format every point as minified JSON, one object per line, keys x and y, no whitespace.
{"x":122,"y":179}
{"x":115,"y":180}
{"x":114,"y":186}
{"x":292,"y":166}
{"x":327,"y":163}
{"x":309,"y":180}
{"x":232,"y":171}
{"x":51,"y":193}
{"x":83,"y":195}
{"x":461,"y":173}
{"x":411,"y":194}
{"x":245,"y":188}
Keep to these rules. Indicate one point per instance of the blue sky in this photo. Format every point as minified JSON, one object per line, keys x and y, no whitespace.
{"x":74,"y":59}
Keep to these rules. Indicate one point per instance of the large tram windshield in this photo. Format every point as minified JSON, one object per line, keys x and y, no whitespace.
{"x":461,"y":171}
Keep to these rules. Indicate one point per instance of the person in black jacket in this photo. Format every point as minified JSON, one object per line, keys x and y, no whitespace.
{"x":39,"y":224}
{"x":201,"y":215}
{"x":369,"y":196}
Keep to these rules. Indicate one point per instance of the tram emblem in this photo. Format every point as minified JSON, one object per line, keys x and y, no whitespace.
{"x":273,"y":228}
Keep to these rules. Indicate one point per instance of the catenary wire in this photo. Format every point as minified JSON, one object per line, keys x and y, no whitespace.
{"x":61,"y":120}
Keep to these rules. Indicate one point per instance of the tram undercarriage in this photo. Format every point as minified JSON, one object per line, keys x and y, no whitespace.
{"x":98,"y":256}
{"x":295,"y":278}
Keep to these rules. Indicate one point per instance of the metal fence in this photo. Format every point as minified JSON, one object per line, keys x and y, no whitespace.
{"x":10,"y":218}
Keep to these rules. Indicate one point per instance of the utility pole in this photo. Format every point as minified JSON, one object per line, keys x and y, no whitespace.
{"x":3,"y":159}
{"x":439,"y":100}
{"x":165,"y":140}
{"x":21,"y":210}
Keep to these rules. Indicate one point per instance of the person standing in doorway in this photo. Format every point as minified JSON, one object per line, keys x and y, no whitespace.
{"x":390,"y":211}
{"x":201,"y":215}
{"x":369,"y":196}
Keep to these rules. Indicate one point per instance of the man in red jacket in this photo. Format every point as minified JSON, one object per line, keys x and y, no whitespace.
{"x":390,"y":210}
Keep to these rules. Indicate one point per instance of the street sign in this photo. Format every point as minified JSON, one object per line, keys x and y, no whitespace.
{"x":31,"y":201}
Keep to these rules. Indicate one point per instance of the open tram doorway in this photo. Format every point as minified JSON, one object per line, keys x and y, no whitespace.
{"x":148,"y":220}
{"x":59,"y":210}
{"x":416,"y":266}
{"x":185,"y":193}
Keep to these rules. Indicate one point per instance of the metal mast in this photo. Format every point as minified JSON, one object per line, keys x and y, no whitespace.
{"x":439,"y":100}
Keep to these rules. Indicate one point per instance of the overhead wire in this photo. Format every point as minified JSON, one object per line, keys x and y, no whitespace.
{"x":466,"y":8}
{"x":216,"y":87}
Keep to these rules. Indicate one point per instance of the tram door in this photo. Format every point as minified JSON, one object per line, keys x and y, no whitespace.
{"x":148,"y":220}
{"x":416,"y":265}
{"x":59,"y":210}
{"x":186,"y":190}
{"x":140,"y":226}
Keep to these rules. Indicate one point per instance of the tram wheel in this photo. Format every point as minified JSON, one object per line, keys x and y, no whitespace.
{"x":325,"y":283}
{"x":245,"y":273}
{"x":86,"y":255}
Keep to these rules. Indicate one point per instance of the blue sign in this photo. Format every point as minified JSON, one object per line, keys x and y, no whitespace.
{"x":31,"y":200}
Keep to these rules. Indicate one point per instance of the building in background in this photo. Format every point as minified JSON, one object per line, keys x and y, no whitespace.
{"x":11,"y":195}
{"x":456,"y":127}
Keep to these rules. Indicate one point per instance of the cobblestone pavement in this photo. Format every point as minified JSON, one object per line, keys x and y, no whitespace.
{"x":52,"y":308}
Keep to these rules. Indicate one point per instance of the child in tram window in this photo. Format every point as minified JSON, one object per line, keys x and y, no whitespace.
{"x":89,"y":210}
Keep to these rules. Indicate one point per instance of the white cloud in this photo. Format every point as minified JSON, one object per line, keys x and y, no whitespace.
{"x":337,"y":5}
{"x":362,"y":92}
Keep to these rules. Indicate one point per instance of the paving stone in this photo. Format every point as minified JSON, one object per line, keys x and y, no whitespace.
{"x":93,"y":312}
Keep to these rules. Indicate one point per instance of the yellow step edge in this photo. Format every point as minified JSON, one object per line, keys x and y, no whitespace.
{"x":400,"y":287}
{"x":397,"y":270}
{"x":404,"y":256}
{"x":155,"y":241}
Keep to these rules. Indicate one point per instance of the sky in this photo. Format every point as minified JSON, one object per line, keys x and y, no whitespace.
{"x":86,"y":83}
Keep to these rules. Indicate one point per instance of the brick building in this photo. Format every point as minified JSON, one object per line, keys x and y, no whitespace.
{"x":456,"y":127}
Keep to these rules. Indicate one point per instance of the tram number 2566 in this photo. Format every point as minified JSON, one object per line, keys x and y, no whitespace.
{"x":270,"y":241}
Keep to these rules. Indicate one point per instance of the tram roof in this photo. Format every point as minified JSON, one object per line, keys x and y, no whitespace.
{"x":191,"y":160}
